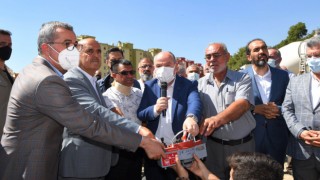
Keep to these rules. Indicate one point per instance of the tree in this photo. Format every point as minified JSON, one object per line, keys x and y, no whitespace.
{"x":238,"y":59}
{"x":296,"y":32}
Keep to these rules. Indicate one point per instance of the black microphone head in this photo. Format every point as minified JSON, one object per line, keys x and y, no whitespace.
{"x":164,"y":85}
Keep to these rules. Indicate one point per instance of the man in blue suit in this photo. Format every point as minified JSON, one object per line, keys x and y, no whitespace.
{"x":269,"y":87}
{"x":182,"y":108}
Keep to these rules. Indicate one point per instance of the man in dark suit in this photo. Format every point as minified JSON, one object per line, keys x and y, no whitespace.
{"x":41,"y":104}
{"x":301,"y":110}
{"x":6,"y":80}
{"x":113,"y":54}
{"x":269,"y":86}
{"x":182,"y":108}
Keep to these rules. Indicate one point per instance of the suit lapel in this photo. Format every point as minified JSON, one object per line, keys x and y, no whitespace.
{"x":177,"y":89}
{"x":255,"y":88}
{"x":274,"y":86}
{"x":86,"y":81}
{"x":307,"y":83}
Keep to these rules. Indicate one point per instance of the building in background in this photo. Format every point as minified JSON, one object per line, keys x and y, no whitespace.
{"x":134,"y":55}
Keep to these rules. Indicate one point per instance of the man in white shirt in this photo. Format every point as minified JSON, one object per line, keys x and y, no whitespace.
{"x":269,"y":86}
{"x":166,"y":116}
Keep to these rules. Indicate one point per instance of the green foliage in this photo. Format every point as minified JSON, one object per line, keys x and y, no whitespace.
{"x":238,"y":59}
{"x":296,"y":32}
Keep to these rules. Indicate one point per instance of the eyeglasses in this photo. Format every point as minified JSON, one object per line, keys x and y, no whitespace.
{"x":145,"y":66}
{"x":69,"y":46}
{"x":214,"y":55}
{"x":125,"y":73}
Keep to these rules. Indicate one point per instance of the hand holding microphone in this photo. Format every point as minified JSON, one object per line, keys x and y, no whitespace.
{"x":163,"y":87}
{"x":162,"y":102}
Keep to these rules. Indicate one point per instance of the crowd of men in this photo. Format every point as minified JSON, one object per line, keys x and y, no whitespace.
{"x":60,"y":122}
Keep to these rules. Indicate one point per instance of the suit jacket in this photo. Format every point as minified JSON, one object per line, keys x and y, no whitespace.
{"x":300,"y":114}
{"x":105,"y":83}
{"x":275,"y":129}
{"x":5,"y":88}
{"x":185,"y":101}
{"x":40,"y":105}
{"x":75,"y":150}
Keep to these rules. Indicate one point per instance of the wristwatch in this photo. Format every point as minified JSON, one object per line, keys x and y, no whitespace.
{"x":252,"y":109}
{"x":193,"y":116}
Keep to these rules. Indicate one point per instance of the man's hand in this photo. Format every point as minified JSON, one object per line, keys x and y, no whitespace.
{"x":269,"y":110}
{"x":311,"y":137}
{"x":191,"y":126}
{"x":153,"y":148}
{"x":209,"y":125}
{"x":143,"y":131}
{"x":199,"y":169}
{"x":161,"y":104}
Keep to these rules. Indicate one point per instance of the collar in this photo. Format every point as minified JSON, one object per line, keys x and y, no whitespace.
{"x":229,"y":76}
{"x":268,"y":74}
{"x":54,"y":69}
{"x":171,"y":85}
{"x":314,"y":79}
{"x":92,"y":79}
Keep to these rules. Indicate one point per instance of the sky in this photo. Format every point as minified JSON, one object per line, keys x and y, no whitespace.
{"x":184,"y":27}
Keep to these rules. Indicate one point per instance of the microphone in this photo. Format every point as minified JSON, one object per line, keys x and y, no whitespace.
{"x":163,"y":87}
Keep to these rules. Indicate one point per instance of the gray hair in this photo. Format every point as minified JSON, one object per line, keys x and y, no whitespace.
{"x":48,"y":34}
{"x":277,"y":50}
{"x":223,"y":45}
{"x":313,"y":42}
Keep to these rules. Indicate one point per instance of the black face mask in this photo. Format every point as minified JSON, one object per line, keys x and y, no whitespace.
{"x":5,"y":53}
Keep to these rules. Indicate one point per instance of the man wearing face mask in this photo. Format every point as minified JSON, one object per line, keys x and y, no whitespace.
{"x":269,"y":88}
{"x":6,"y":80}
{"x":193,"y":72}
{"x":41,"y":105}
{"x":145,"y":69}
{"x":275,"y":60}
{"x":182,"y":108}
{"x":301,"y":110}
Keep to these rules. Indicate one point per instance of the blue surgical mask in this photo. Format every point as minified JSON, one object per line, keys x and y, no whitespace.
{"x":193,"y":76}
{"x":272,"y":62}
{"x":314,"y":64}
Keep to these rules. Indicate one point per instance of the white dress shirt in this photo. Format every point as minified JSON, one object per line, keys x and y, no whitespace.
{"x":315,"y":89}
{"x":264,"y":85}
{"x":93,"y":81}
{"x":165,"y":123}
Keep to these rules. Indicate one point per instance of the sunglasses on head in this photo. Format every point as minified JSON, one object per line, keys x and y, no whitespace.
{"x":124,"y":73}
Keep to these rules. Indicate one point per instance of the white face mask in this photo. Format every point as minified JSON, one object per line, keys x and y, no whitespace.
{"x":193,"y":76}
{"x":68,"y":58}
{"x":165,"y":74}
{"x":272,"y":62}
{"x":314,"y":64}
